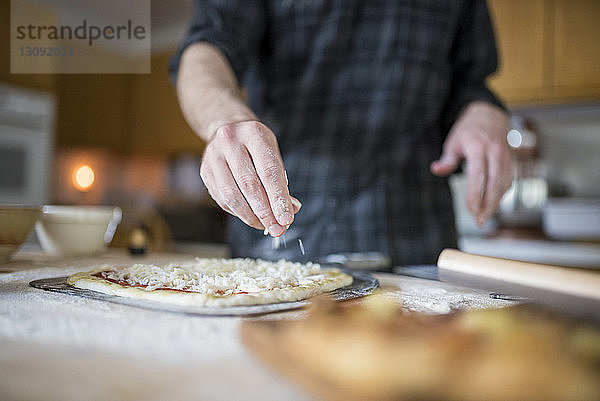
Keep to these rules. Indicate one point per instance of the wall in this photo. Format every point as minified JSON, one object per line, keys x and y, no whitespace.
{"x":45,"y":82}
{"x":135,"y":113}
{"x":142,"y":177}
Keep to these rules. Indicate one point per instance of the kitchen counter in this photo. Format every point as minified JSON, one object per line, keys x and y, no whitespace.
{"x":57,"y":346}
{"x":537,"y":250}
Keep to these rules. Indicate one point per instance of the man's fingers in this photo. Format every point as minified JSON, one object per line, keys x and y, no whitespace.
{"x":477,"y":177}
{"x":296,"y":204}
{"x":269,"y":166}
{"x":499,"y":180}
{"x":233,"y":198}
{"x":250,"y":185}
{"x":446,"y":165}
{"x":209,"y":182}
{"x":249,"y":178}
{"x":479,"y":135}
{"x":230,"y":198}
{"x":493,"y":191}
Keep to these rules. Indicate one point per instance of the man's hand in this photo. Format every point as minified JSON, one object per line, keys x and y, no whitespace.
{"x":243,"y":171}
{"x":479,"y":137}
{"x":242,"y":166}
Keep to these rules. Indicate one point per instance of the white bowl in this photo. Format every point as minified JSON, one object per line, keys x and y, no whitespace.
{"x":77,"y":230}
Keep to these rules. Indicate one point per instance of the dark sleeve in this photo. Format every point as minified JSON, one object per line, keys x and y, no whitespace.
{"x":474,"y":57}
{"x":235,"y":27}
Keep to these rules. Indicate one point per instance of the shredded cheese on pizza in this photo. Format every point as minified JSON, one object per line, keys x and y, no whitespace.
{"x":219,"y":277}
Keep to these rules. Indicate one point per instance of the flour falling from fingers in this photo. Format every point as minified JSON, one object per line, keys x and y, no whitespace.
{"x":276,"y":242}
{"x":301,"y":246}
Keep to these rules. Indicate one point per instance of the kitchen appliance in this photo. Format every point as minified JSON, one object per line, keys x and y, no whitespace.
{"x":26,"y":140}
{"x":572,"y":219}
{"x":376,"y":261}
{"x":523,"y":203}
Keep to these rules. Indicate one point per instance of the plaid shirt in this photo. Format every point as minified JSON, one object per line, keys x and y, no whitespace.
{"x":360,"y":94}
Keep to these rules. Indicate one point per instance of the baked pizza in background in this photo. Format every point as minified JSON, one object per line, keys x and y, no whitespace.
{"x":376,"y":350}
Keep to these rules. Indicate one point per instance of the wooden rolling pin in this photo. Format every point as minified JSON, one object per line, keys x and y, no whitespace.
{"x":570,"y":289}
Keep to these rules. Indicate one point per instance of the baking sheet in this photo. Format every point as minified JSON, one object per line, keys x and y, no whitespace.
{"x":363,"y":284}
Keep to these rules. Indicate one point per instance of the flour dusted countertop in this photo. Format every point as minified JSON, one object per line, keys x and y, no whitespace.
{"x":58,"y":346}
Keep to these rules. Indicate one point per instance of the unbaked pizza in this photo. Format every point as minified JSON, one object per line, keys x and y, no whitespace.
{"x":214,"y":282}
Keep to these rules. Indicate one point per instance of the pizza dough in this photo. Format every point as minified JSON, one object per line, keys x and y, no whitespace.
{"x":214,"y":282}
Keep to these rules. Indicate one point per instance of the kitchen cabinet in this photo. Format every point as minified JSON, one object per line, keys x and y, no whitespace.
{"x":44,"y":82}
{"x":536,"y":250}
{"x":522,"y":72}
{"x":92,"y":111}
{"x":124,"y":113}
{"x":155,"y":122}
{"x":548,"y":49}
{"x":549,"y":52}
{"x":577,"y":47}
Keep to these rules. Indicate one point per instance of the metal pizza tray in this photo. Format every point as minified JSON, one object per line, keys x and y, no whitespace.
{"x":363,"y":284}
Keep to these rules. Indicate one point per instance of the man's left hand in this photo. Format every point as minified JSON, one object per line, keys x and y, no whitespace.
{"x":479,"y":137}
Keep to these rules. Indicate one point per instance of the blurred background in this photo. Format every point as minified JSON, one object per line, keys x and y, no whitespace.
{"x":120,"y":139}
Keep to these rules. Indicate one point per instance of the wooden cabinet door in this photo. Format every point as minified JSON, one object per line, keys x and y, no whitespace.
{"x":577,"y":48}
{"x":155,"y":121}
{"x":44,"y":82}
{"x":521,"y":39}
{"x":91,"y":111}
